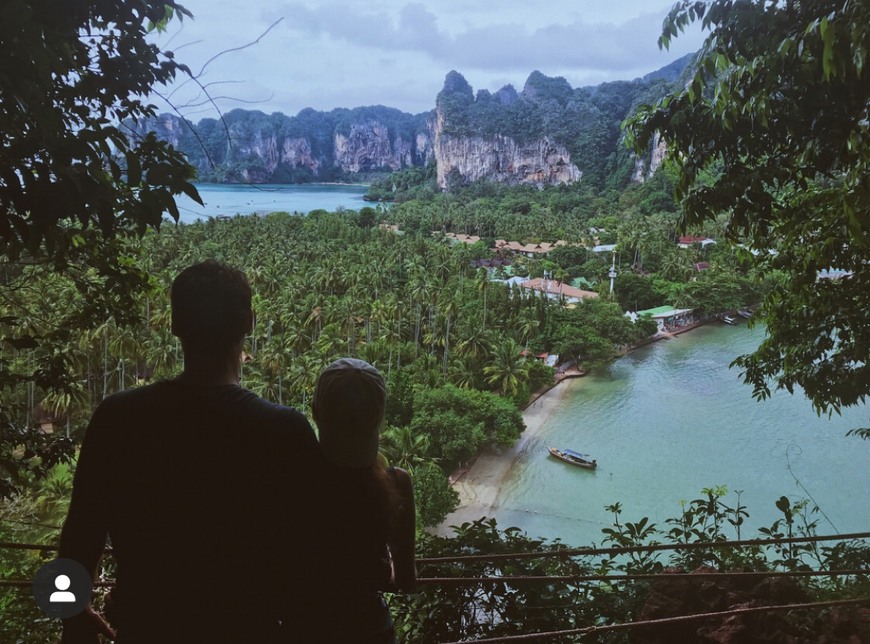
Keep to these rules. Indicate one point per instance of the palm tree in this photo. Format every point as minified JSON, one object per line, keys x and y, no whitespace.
{"x":482,"y":282}
{"x":464,"y":372}
{"x":403,"y":448}
{"x":507,"y":367}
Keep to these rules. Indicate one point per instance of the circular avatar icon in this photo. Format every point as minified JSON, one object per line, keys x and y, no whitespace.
{"x":62,"y":588}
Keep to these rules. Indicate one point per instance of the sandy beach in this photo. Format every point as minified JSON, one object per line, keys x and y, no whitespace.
{"x":479,"y":485}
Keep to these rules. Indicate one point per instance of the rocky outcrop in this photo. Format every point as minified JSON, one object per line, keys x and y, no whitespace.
{"x":547,"y":134}
{"x":296,"y":152}
{"x":467,"y":159}
{"x":464,"y":154}
{"x":645,"y":167}
{"x":368,"y":147}
{"x":249,"y":146}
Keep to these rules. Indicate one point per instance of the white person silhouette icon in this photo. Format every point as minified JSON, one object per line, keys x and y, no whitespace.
{"x":62,"y":582}
{"x":62,"y":588}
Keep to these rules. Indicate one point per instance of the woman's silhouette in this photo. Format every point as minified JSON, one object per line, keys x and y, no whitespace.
{"x":369,"y":514}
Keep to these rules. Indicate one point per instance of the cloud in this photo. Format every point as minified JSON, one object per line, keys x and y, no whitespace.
{"x":333,"y":53}
{"x":497,"y":47}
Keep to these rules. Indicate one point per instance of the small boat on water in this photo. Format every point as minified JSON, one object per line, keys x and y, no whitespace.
{"x":575,"y":458}
{"x":745,"y":313}
{"x":728,"y":319}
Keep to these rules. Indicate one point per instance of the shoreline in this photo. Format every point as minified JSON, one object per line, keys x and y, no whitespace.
{"x":479,"y":484}
{"x":480,"y":481}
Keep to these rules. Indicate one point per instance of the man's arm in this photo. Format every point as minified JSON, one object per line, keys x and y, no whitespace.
{"x":83,"y":537}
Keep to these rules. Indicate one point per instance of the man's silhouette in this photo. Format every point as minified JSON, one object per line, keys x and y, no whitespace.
{"x":199,"y":485}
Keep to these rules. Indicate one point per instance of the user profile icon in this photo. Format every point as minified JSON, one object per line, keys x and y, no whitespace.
{"x":61,"y":582}
{"x":62,"y":588}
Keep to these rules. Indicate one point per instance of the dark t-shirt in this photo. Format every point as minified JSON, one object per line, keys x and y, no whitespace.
{"x":205,"y":494}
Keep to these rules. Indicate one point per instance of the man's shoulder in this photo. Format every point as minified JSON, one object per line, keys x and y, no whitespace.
{"x":231,"y":403}
{"x":145,"y":395}
{"x":266,"y":411}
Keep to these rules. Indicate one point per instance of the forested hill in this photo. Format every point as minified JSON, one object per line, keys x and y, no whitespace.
{"x":548,"y":133}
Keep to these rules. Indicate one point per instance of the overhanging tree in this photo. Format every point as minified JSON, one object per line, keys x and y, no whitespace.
{"x":774,"y":131}
{"x":73,"y":181}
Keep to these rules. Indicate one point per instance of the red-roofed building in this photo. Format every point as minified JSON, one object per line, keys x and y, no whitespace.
{"x":688,"y":240}
{"x":555,"y":289}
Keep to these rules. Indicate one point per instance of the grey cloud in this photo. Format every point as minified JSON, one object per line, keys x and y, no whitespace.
{"x":504,"y":47}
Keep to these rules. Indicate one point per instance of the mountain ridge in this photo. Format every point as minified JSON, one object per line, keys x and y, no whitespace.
{"x":547,"y":133}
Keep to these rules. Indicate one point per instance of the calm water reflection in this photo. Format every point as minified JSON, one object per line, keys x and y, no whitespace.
{"x":671,"y":419}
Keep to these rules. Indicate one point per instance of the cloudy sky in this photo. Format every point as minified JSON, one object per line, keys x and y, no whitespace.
{"x":325,"y":54}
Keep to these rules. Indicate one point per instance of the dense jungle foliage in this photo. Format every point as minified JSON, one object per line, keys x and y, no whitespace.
{"x":448,"y":338}
{"x":773,"y":132}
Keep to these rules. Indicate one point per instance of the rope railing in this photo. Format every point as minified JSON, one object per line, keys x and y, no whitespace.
{"x":617,"y":550}
{"x":609,"y":578}
{"x":682,"y":619}
{"x":571,"y":552}
{"x":512,"y":579}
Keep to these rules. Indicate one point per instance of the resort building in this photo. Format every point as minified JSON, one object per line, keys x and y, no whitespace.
{"x":549,"y":359}
{"x":667,"y":317}
{"x":465,"y":239}
{"x":556,"y":290}
{"x":687,"y":240}
{"x":529,"y":250}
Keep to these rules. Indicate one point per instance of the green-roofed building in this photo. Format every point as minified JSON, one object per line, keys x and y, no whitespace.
{"x":582,"y":283}
{"x":667,"y":317}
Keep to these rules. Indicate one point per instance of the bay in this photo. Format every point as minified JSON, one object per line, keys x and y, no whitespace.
{"x":672,"y":418}
{"x":248,"y":199}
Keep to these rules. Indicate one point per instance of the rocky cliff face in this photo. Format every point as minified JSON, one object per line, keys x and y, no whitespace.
{"x":465,"y":152}
{"x":466,"y":159}
{"x":645,"y":167}
{"x":313,"y":146}
{"x":547,"y":134}
{"x":368,"y":147}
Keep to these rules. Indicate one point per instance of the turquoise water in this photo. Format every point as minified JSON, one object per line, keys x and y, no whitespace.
{"x":672,"y":418}
{"x":234,"y":199}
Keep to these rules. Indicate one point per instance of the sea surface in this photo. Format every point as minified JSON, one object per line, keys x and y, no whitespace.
{"x":247,"y":199}
{"x":672,"y":418}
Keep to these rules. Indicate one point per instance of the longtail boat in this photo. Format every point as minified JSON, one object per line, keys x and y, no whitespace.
{"x":575,"y":458}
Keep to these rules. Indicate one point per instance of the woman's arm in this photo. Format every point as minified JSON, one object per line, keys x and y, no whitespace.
{"x":404,"y":534}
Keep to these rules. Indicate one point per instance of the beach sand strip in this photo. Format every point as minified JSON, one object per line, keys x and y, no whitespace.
{"x":479,"y":485}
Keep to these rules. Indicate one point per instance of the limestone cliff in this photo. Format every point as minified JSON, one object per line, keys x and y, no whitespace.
{"x":500,"y":158}
{"x":368,"y":147}
{"x":465,"y":152}
{"x":646,"y":166}
{"x":249,"y":146}
{"x":547,"y":134}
